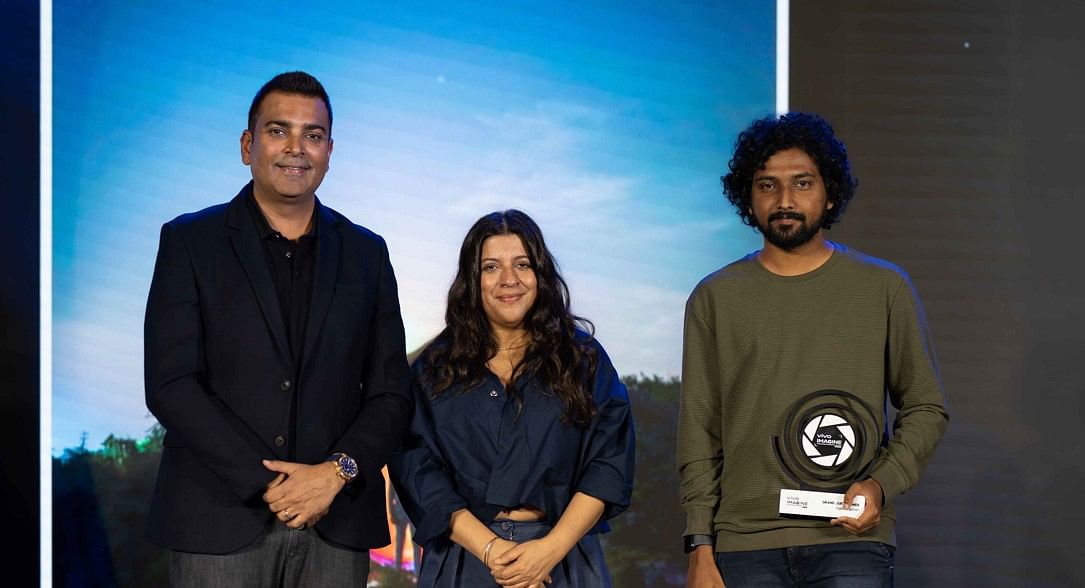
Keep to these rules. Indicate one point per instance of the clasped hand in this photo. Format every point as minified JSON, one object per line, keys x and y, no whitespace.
{"x":524,"y":565}
{"x":301,"y":494}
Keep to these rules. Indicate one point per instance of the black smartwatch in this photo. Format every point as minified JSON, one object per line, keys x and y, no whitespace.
{"x":690,"y":542}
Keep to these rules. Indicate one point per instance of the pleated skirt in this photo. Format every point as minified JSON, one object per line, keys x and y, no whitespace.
{"x":447,"y":565}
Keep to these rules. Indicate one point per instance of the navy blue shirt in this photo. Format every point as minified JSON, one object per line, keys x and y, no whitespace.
{"x":468,"y":449}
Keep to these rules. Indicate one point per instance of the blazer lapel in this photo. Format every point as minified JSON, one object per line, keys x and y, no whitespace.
{"x":246,"y":242}
{"x":327,"y":267}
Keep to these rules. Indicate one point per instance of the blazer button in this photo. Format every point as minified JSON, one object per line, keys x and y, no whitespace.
{"x":280,"y":441}
{"x":284,"y":385}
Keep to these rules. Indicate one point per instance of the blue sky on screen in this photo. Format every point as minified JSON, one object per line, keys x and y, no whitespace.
{"x":609,"y":122}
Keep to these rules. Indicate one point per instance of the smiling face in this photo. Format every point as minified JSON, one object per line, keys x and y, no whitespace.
{"x":508,"y":287}
{"x":788,"y":200}
{"x":288,"y":148}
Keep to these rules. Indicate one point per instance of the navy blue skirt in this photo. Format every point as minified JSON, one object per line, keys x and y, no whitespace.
{"x":447,"y":565}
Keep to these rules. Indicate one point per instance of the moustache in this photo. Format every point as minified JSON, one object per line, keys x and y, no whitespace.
{"x":787,"y":214}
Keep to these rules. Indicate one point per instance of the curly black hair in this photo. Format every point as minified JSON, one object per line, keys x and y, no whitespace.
{"x":770,"y":135}
{"x":560,"y":352}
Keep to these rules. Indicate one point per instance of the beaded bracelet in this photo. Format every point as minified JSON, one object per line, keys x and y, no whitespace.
{"x":486,"y":551}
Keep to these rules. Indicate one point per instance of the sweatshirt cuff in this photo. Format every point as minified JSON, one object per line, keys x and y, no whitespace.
{"x":891,"y":479}
{"x":699,"y":521}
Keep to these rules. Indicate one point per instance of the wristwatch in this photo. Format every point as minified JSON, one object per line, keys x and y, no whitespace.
{"x":690,"y":542}
{"x":345,"y":466}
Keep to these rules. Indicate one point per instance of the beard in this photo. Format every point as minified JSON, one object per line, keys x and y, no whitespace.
{"x":791,"y":238}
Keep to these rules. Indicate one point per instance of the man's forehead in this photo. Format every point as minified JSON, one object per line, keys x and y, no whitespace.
{"x":791,"y":162}
{"x":789,"y":171}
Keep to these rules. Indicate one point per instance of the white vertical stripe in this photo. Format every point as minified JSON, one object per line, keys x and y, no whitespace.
{"x":45,"y":260}
{"x":783,"y":32}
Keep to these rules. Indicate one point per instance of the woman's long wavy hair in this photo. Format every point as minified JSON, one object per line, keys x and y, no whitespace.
{"x":558,"y":353}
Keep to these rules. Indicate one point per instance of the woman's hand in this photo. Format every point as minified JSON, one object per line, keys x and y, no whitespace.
{"x":527,"y":564}
{"x":500,"y":547}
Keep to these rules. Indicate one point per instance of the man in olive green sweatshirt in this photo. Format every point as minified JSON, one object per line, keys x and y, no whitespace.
{"x":790,"y":355}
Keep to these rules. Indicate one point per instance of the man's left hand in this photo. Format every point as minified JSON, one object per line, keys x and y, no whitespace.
{"x":872,"y":512}
{"x":304,"y":497}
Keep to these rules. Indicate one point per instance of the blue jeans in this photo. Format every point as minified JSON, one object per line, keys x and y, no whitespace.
{"x":855,"y":564}
{"x":281,"y":556}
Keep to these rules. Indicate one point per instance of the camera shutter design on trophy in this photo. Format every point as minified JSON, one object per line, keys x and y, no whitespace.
{"x":828,"y":439}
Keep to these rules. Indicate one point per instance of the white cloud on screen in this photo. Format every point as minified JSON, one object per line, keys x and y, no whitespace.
{"x":98,"y":388}
{"x":538,"y":161}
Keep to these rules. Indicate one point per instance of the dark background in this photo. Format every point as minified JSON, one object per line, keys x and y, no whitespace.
{"x":19,"y":325}
{"x":969,"y":160}
{"x":968,"y":157}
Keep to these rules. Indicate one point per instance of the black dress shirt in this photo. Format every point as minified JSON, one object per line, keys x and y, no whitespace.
{"x":291,"y":264}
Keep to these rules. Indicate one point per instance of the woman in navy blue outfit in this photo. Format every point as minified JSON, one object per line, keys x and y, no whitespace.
{"x":521,"y":442}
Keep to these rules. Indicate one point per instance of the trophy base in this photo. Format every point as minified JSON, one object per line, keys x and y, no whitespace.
{"x":821,"y":505}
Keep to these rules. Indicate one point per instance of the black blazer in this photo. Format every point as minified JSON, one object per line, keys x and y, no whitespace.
{"x":219,"y":377}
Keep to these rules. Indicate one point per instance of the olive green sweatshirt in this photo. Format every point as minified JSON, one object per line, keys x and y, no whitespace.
{"x":755,"y":344}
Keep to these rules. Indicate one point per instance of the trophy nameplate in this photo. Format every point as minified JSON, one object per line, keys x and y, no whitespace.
{"x":829,"y":505}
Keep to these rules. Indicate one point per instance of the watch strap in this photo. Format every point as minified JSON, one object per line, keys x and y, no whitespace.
{"x":690,"y":542}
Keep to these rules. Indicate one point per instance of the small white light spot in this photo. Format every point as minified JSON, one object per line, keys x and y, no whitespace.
{"x":493,"y":393}
{"x":967,"y":45}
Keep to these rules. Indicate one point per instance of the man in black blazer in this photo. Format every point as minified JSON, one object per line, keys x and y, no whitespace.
{"x":275,"y":359}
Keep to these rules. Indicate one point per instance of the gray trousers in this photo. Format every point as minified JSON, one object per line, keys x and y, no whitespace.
{"x":280,"y":557}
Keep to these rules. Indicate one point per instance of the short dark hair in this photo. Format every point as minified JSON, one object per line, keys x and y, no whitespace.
{"x":799,"y":130}
{"x":291,"y":82}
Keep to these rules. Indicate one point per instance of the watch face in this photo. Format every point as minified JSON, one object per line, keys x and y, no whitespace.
{"x":349,"y":466}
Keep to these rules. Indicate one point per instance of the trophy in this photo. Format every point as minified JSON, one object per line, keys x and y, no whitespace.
{"x":828,"y":440}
